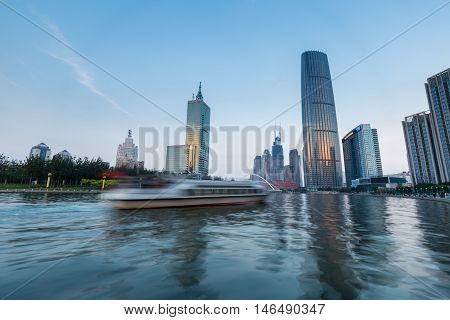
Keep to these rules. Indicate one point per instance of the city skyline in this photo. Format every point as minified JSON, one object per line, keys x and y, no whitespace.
{"x":88,"y":103}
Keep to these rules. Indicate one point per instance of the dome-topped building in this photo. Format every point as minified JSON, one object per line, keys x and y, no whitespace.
{"x":41,"y":151}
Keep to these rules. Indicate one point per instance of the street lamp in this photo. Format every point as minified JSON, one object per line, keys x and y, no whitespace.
{"x":49,"y":176}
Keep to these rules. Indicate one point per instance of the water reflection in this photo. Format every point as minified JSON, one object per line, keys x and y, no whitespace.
{"x":329,"y":246}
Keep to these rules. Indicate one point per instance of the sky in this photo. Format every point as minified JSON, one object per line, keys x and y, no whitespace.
{"x":246,"y":53}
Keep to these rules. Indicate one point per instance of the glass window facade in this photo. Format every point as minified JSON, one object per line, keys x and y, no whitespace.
{"x":176,"y":159}
{"x":361,"y":154}
{"x":321,"y":148}
{"x":438,"y":94}
{"x":421,"y":149}
{"x":197,"y":135}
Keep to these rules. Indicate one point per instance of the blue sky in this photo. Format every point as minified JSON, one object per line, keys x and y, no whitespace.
{"x":246,"y":53}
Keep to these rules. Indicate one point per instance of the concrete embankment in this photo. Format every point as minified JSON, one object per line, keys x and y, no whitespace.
{"x":49,"y":191}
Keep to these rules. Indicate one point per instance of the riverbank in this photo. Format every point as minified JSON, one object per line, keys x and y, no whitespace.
{"x":62,"y":191}
{"x":404,"y":197}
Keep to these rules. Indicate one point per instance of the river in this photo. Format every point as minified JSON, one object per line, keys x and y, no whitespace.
{"x":298,"y":246}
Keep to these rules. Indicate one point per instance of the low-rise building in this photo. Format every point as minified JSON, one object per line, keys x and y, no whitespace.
{"x":385,"y":182}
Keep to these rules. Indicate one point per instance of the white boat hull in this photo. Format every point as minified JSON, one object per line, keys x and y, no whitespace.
{"x":154,"y":203}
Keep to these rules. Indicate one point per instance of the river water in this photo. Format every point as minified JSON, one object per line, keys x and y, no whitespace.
{"x":298,"y":246}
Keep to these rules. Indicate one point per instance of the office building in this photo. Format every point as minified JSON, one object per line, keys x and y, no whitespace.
{"x":64,"y":155}
{"x":376,"y":145}
{"x":197,"y":134}
{"x":276,"y":172}
{"x":321,"y":149}
{"x":421,"y":148}
{"x":257,"y":165}
{"x":266,"y":164}
{"x":294,"y":166}
{"x":438,"y":95}
{"x":41,"y":151}
{"x":361,"y":154}
{"x":176,"y":157}
{"x":127,"y":154}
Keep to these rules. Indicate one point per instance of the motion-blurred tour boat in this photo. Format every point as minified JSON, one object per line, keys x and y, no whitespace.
{"x":183,"y":193}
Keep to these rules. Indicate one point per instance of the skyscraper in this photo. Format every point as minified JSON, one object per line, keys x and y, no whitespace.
{"x":197,"y":134}
{"x":257,"y":165}
{"x":277,"y":158}
{"x":438,"y":94}
{"x":127,"y":154}
{"x":294,"y":166}
{"x":361,"y":154}
{"x":41,"y":151}
{"x":176,"y":159}
{"x":421,"y":148}
{"x":376,"y":144}
{"x":266,"y":164}
{"x":321,"y":150}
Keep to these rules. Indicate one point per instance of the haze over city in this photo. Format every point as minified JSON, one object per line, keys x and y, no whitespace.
{"x":246,"y":53}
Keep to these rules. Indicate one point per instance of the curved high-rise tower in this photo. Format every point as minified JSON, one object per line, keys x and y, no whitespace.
{"x":321,"y":149}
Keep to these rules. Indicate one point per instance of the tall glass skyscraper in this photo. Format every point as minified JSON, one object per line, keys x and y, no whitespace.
{"x":197,"y":134}
{"x":361,"y":154}
{"x":321,"y":148}
{"x":438,"y":94}
{"x":277,"y":158}
{"x":421,"y":148}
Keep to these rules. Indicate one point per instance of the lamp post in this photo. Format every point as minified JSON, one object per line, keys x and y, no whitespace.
{"x":49,"y":176}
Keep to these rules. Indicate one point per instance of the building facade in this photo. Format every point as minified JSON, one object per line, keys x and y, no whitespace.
{"x":362,"y":157}
{"x":127,"y":154}
{"x":421,"y":148}
{"x":64,"y":155}
{"x":384,"y":182}
{"x":438,"y":95}
{"x":322,"y":163}
{"x":176,"y":159}
{"x":197,"y":135}
{"x":294,"y":166}
{"x":266,"y":164}
{"x":41,"y":151}
{"x":257,"y":165}
{"x":376,"y":145}
{"x":277,"y":168}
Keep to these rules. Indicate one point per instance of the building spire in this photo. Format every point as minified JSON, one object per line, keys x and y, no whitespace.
{"x":199,"y":94}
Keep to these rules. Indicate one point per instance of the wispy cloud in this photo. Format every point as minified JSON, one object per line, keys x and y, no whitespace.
{"x":81,"y":73}
{"x":11,"y":82}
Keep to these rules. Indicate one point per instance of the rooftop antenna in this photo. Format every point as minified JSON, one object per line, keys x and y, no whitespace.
{"x":199,"y":94}
{"x":275,"y":131}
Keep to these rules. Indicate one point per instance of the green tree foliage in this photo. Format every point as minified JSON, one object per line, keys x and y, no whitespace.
{"x":64,"y":170}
